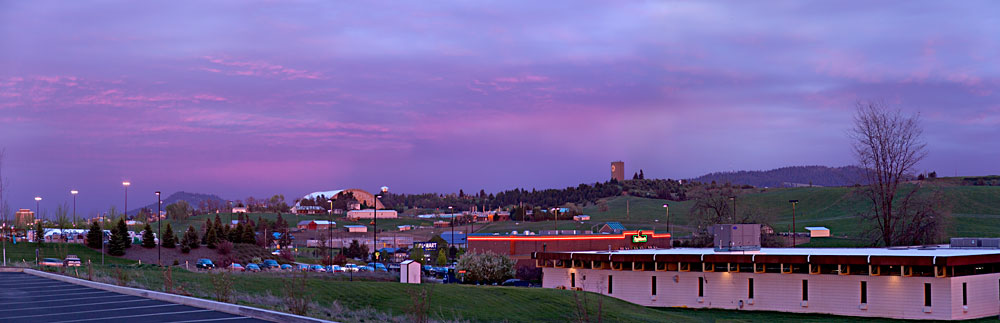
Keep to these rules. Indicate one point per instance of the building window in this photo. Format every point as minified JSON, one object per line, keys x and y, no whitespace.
{"x":572,"y":279}
{"x":805,"y":290}
{"x":609,"y":284}
{"x":965,"y":295}
{"x":864,"y":292}
{"x":654,"y":285}
{"x":927,"y":294}
{"x":701,"y":286}
{"x":750,"y":288}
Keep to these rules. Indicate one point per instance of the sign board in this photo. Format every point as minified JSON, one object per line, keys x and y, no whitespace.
{"x":639,"y":238}
{"x":427,"y":246}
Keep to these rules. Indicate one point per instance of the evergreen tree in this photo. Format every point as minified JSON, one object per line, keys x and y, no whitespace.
{"x":191,"y":236}
{"x":236,"y":235}
{"x":641,"y":175}
{"x":442,"y":258}
{"x":208,"y":225}
{"x":148,"y":240}
{"x":211,"y":238}
{"x":95,"y":237}
{"x":249,"y":236}
{"x":39,"y":233}
{"x":168,"y":238}
{"x":119,"y":238}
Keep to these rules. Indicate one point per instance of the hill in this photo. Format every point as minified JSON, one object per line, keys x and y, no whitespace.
{"x":195,"y":199}
{"x":794,"y":176}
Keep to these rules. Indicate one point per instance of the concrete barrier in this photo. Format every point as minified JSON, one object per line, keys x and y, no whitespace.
{"x":241,"y":310}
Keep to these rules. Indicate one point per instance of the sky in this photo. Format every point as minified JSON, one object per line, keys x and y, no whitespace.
{"x":255,"y":98}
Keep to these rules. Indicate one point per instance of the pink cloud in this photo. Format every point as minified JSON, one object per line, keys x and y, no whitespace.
{"x":258,"y":68}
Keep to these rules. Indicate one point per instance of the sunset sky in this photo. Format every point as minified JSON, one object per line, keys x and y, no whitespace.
{"x":240,"y":98}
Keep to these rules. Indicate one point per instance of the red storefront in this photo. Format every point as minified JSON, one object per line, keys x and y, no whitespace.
{"x":520,"y":247}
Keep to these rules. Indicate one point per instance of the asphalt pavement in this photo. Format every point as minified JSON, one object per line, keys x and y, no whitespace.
{"x":29,"y":298}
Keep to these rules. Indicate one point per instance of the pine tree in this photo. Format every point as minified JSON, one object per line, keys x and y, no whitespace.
{"x":249,"y":236}
{"x":641,"y":175}
{"x":236,"y":235}
{"x":95,"y":237}
{"x":192,"y":238}
{"x":211,"y":238}
{"x":168,"y":238}
{"x":208,"y":225}
{"x":39,"y":233}
{"x":119,"y":236}
{"x":148,"y":240}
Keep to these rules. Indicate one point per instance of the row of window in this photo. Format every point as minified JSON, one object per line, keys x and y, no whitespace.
{"x":805,"y":289}
{"x":877,"y":270}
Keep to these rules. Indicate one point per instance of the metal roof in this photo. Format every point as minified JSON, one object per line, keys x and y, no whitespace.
{"x":817,"y":228}
{"x":941,"y":251}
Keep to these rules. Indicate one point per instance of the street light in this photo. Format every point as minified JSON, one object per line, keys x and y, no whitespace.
{"x":74,"y":192}
{"x":159,"y":235}
{"x":452,"y":214}
{"x":126,"y":185}
{"x":793,"y":220}
{"x":667,"y":208}
{"x":329,"y":226}
{"x":38,"y":200}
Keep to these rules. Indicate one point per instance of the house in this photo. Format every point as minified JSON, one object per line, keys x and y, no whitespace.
{"x":313,"y":225}
{"x":356,"y":228}
{"x":240,"y":209}
{"x":458,"y":240}
{"x":612,"y":227}
{"x":582,"y":217}
{"x":308,"y":209}
{"x":818,"y":232}
{"x":409,"y":272}
{"x":367,"y":214}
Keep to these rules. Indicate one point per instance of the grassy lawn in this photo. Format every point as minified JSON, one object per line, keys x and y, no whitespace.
{"x":26,"y":251}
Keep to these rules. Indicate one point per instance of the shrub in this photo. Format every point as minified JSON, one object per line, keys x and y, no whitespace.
{"x":225,"y":248}
{"x":148,"y":240}
{"x":95,"y":237}
{"x":487,"y":267}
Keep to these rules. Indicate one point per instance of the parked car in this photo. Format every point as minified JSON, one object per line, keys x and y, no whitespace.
{"x":204,"y":263}
{"x":236,"y":267}
{"x":72,"y":261}
{"x":428,"y":269}
{"x":286,"y":267}
{"x":270,"y":264}
{"x":304,"y":267}
{"x":317,"y":268}
{"x":51,"y":262}
{"x":366,"y":268}
{"x":276,"y":252}
{"x":253,"y":267}
{"x":516,"y":283}
{"x":378,"y":266}
{"x":351,"y":268}
{"x":337,"y":269}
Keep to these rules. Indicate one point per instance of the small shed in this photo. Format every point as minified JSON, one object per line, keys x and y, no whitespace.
{"x":409,"y":272}
{"x":356,"y":228}
{"x":818,"y":232}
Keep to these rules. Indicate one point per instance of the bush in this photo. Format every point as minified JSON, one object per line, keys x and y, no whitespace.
{"x":185,"y":249}
{"x":225,"y":248}
{"x":148,"y":240}
{"x":95,"y":237}
{"x":486,"y":267}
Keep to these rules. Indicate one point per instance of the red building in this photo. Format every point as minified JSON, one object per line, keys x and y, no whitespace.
{"x":521,"y":247}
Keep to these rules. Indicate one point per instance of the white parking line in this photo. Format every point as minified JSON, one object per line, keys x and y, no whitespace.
{"x":76,"y":305}
{"x":127,"y":316}
{"x":63,"y":299}
{"x":95,"y":311}
{"x":83,"y":293}
{"x":47,"y":292}
{"x":38,"y":284}
{"x":218,"y":319}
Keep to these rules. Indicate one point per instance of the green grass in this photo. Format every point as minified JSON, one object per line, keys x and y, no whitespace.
{"x":26,"y":251}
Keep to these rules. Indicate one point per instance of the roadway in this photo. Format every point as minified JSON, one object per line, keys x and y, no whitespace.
{"x":29,"y":298}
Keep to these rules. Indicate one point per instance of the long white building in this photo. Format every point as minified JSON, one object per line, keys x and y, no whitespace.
{"x":939,"y":283}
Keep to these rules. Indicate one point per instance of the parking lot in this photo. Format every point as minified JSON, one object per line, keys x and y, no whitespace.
{"x":29,"y":298}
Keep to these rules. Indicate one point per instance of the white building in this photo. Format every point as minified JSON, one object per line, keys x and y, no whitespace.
{"x":409,"y":272}
{"x":356,"y":228}
{"x":818,"y":232}
{"x":911,"y":283}
{"x":367,"y":214}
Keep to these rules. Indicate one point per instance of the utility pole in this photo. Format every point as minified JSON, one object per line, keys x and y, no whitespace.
{"x":793,"y":220}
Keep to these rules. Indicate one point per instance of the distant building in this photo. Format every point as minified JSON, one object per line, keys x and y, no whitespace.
{"x":459,"y":240}
{"x":311,"y":209}
{"x":404,"y":227}
{"x":582,"y":217}
{"x":240,"y":209}
{"x":618,"y":171}
{"x":356,"y":228}
{"x":818,"y":232}
{"x":367,"y":214}
{"x":313,"y":225}
{"x":611,"y":227}
{"x":24,"y":217}
{"x":520,"y":247}
{"x":442,"y":224}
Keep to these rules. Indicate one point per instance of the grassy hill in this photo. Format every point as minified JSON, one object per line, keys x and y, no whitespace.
{"x":975,"y":211}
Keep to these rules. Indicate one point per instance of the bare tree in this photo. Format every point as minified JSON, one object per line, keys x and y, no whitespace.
{"x":888,"y":145}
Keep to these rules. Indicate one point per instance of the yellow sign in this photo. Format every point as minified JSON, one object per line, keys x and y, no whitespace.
{"x":639,"y":238}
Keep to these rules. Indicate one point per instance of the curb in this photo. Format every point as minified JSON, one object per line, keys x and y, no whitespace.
{"x":234,"y":309}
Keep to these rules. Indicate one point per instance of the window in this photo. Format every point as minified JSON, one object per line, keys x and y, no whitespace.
{"x":572,"y":279}
{"x":609,"y":284}
{"x":927,"y":294}
{"x":750,"y":288}
{"x":654,"y":285}
{"x":965,"y":295}
{"x":805,"y":290}
{"x":864,"y":292}
{"x":701,"y":286}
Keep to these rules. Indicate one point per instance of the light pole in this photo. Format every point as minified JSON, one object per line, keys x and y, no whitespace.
{"x":329,"y":226}
{"x":126,"y":185}
{"x":38,"y":213}
{"x":793,"y":220}
{"x":733,"y":198}
{"x":667,"y":208}
{"x":159,"y":235}
{"x":452,"y":215}
{"x":555,"y":216}
{"x":74,"y":192}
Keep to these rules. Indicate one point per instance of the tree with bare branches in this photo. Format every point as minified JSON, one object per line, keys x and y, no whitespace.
{"x":888,"y":145}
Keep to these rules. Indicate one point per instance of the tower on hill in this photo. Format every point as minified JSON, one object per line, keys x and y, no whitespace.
{"x":618,"y":171}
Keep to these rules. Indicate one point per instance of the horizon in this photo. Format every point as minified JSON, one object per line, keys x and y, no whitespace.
{"x":244,"y":99}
